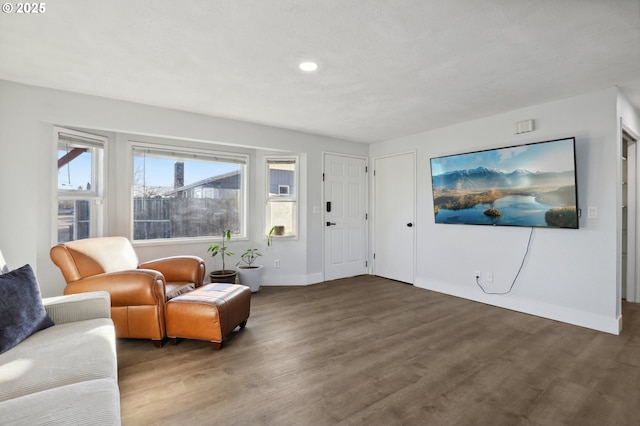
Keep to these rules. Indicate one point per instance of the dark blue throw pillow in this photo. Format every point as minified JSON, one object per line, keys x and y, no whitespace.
{"x":21,"y":309}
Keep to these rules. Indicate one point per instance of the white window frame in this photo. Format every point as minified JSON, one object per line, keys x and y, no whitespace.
{"x":185,"y":152}
{"x":278,"y":198}
{"x":96,"y":195}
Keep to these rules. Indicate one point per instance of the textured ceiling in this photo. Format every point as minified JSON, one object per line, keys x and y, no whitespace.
{"x":387,"y":68}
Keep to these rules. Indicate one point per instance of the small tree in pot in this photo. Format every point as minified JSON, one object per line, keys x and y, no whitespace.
{"x":248,"y":258}
{"x":222,"y":275}
{"x":250,"y":274}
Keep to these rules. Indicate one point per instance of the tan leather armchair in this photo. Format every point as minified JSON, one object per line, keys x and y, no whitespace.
{"x":138,"y":291}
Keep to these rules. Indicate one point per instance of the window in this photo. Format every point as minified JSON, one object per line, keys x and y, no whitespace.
{"x":80,"y":185}
{"x":282,"y":195}
{"x":283,"y":189}
{"x":187,"y":194}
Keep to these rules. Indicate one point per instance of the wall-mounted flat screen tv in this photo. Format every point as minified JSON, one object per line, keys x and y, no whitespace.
{"x":532,"y":185}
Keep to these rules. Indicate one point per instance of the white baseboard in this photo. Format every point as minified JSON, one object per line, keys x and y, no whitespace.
{"x":294,"y":280}
{"x":577,"y":317}
{"x":572,"y":316}
{"x":315,"y":278}
{"x":619,"y":324}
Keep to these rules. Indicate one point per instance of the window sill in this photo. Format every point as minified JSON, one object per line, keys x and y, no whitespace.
{"x":283,"y":238}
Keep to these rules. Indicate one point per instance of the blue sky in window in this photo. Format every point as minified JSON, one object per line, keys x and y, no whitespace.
{"x":76,"y":174}
{"x":160,"y":171}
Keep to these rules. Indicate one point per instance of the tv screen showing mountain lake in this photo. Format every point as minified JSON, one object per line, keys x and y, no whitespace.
{"x":527,"y":185}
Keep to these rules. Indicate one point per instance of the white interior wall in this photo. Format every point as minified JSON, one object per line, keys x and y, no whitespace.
{"x":27,"y":166}
{"x":569,"y":275}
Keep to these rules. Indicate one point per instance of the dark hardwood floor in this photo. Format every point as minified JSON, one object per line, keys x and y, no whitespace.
{"x":369,"y":351}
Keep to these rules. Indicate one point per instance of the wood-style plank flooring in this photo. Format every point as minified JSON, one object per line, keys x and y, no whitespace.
{"x":370,"y":351}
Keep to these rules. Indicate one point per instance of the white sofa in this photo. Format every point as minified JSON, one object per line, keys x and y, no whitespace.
{"x":66,"y":374}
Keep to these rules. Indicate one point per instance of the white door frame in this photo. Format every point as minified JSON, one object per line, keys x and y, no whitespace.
{"x":633,"y":261}
{"x":323,"y":209}
{"x":414,"y":212}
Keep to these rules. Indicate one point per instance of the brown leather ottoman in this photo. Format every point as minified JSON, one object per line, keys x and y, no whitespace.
{"x":210,"y":312}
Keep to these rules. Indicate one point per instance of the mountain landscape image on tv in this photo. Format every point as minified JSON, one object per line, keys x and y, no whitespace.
{"x":531,"y":185}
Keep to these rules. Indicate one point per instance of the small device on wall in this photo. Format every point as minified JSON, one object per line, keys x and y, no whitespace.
{"x":525,"y":126}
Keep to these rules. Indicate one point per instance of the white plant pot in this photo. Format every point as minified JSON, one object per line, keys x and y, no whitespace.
{"x":251,"y":277}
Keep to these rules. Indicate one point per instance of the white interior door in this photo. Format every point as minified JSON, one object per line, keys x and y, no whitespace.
{"x":394,"y":222}
{"x":345,"y":223}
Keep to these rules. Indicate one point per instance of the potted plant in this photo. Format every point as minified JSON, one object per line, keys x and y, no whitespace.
{"x":270,"y":234}
{"x":250,"y":274}
{"x":223,"y":275}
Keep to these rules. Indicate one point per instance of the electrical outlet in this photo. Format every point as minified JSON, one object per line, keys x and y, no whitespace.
{"x":477,"y":274}
{"x":489,"y":277}
{"x":276,"y":263}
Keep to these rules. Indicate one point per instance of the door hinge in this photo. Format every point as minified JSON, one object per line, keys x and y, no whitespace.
{"x":366,"y":169}
{"x":366,"y":264}
{"x":374,"y":255}
{"x":366,"y":216}
{"x":374,"y":172}
{"x":323,"y":177}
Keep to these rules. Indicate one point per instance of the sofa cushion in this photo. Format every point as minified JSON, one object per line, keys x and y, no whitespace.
{"x":60,"y":355}
{"x":175,"y":289}
{"x":21,"y":310}
{"x":96,"y":402}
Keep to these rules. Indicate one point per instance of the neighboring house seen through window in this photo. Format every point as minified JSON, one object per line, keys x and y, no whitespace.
{"x":80,"y":185}
{"x":282,"y":195}
{"x":185,"y":194}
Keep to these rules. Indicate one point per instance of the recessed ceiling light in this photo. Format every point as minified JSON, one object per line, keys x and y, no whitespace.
{"x":308,"y":66}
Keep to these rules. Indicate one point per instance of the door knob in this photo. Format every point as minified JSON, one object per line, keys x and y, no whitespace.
{"x":410,"y":225}
{"x":331,"y":223}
